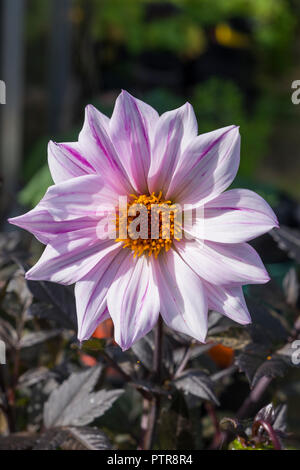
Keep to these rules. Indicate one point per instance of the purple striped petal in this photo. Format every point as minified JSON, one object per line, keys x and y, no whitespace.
{"x":237,"y":216}
{"x":68,"y":260}
{"x":73,"y":205}
{"x":96,"y":144}
{"x":66,"y":161}
{"x":133,"y":300}
{"x":45,"y":228}
{"x":183,"y":303}
{"x":234,"y":264}
{"x":173,"y":132}
{"x":91,"y":291}
{"x":207,"y":167}
{"x":79,"y":197}
{"x":150,"y":117}
{"x":131,"y":128}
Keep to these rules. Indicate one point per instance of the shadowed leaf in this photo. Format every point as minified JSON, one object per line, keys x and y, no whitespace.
{"x":288,"y":239}
{"x":73,"y":438}
{"x":235,"y":338}
{"x":249,"y":360}
{"x":280,"y":418}
{"x":267,"y":413}
{"x":197,"y":383}
{"x":20,"y":441}
{"x":72,"y":404}
{"x":33,"y":376}
{"x":291,"y":287}
{"x":38,"y":337}
{"x":266,"y":328}
{"x":61,"y":300}
{"x":218,"y":323}
{"x":93,"y":344}
{"x":143,"y":350}
{"x":275,"y":367}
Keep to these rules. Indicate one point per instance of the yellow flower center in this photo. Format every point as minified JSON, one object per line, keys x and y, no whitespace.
{"x":150,"y":223}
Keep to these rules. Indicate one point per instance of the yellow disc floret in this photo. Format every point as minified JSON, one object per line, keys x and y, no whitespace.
{"x":151,"y":224}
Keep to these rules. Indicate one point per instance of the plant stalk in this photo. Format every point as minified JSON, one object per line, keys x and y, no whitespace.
{"x":155,"y":402}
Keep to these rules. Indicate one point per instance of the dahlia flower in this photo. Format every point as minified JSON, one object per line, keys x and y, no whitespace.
{"x":147,"y":159}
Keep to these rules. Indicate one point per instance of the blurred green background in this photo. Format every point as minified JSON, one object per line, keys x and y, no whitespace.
{"x":234,"y":60}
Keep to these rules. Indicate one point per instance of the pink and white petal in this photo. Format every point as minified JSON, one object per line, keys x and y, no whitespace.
{"x":133,"y":300}
{"x":190,"y":126}
{"x":220,"y":264}
{"x":67,"y":261}
{"x":207,"y":167}
{"x":45,"y":228}
{"x":150,"y":116}
{"x":237,"y":216}
{"x":90,"y":324}
{"x":80,"y":197}
{"x":91,"y":292}
{"x":229,"y":301}
{"x":85,"y":198}
{"x":38,"y":221}
{"x":66,"y":161}
{"x":131,"y":127}
{"x":174,"y":131}
{"x":98,"y":149}
{"x":183,"y":303}
{"x":71,"y":203}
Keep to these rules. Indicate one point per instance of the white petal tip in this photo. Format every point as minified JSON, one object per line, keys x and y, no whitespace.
{"x":264,"y":279}
{"x":245,"y":322}
{"x":125,"y":347}
{"x":89,"y":109}
{"x":51,"y":143}
{"x":82,"y":338}
{"x":202,"y":340}
{"x":30,"y":276}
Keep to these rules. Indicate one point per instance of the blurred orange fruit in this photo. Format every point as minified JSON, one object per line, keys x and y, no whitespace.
{"x":105,"y":330}
{"x":221,"y":355}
